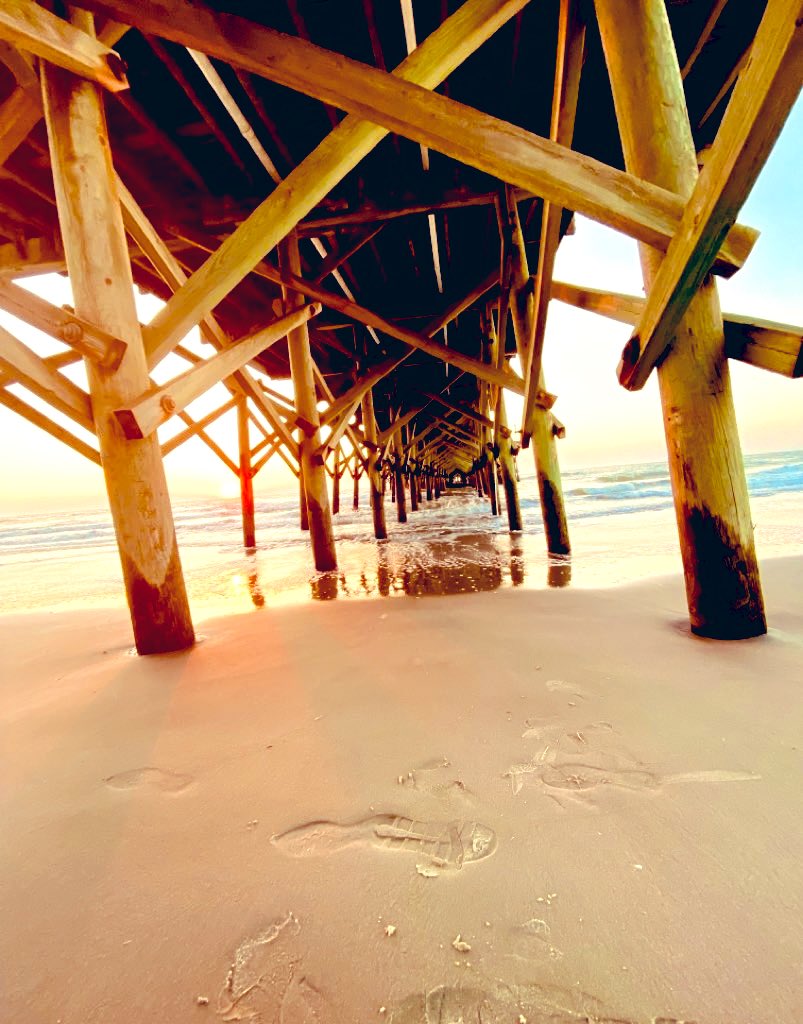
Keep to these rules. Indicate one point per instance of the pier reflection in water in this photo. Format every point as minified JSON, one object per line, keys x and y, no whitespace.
{"x":455,"y":547}
{"x":470,"y":563}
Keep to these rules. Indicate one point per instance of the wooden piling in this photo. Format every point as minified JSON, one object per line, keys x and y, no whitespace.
{"x":355,"y":501}
{"x":545,"y":452}
{"x":430,"y":489}
{"x":303,"y":516}
{"x":336,"y":474}
{"x":412,"y":478}
{"x":398,"y":476}
{"x":246,"y":475}
{"x":723,"y":588}
{"x":375,"y":481}
{"x":508,"y":467}
{"x":314,"y":471}
{"x":96,"y":252}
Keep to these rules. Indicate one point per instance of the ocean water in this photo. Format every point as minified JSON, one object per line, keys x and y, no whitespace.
{"x":620,"y":518}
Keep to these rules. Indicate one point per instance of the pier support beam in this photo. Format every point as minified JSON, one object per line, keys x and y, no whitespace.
{"x":355,"y":501}
{"x":375,"y":481}
{"x":336,"y":474}
{"x":508,"y":467}
{"x":412,"y":478}
{"x":100,"y":274}
{"x":303,"y":516}
{"x":398,"y":476}
{"x":246,"y":475}
{"x":723,"y":589}
{"x":311,"y":464}
{"x":545,"y":451}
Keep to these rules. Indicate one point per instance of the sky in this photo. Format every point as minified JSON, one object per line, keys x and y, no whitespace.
{"x":605,"y":425}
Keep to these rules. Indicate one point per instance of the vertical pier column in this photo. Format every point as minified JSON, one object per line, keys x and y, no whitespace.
{"x":413,"y":479}
{"x":375,"y":482}
{"x":246,"y":475}
{"x":508,"y":467}
{"x":336,"y":474}
{"x":313,"y":469}
{"x":545,"y":450}
{"x":401,"y":497}
{"x":723,"y":589}
{"x":303,"y":517}
{"x":355,"y":501}
{"x":100,"y":275}
{"x":429,"y":484}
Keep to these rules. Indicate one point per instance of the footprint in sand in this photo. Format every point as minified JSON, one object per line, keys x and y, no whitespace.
{"x":593,"y":772}
{"x":266,"y":981}
{"x":424,"y":779}
{"x":561,"y":686}
{"x":150,"y":778}
{"x":445,"y":844}
{"x":502,"y":1004}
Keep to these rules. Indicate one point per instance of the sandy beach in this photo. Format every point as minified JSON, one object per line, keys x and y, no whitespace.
{"x":544,"y":805}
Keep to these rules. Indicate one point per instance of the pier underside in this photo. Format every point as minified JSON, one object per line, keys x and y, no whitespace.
{"x":366,"y":199}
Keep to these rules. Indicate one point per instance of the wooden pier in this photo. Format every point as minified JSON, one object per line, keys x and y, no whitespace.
{"x":366,"y":200}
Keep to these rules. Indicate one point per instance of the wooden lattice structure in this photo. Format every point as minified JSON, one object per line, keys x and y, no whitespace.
{"x":367,"y":198}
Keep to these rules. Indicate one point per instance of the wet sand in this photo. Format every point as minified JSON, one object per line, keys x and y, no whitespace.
{"x":513,"y":805}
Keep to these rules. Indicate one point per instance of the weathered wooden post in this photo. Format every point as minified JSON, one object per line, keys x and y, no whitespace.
{"x":502,"y":436}
{"x":413,"y":480}
{"x":430,"y":492}
{"x":712,"y":508}
{"x":100,"y":275}
{"x":303,"y":516}
{"x":375,"y":481}
{"x":314,"y":471}
{"x":401,"y":498}
{"x":508,"y":467}
{"x":336,"y":481}
{"x":355,"y":502}
{"x":246,"y":475}
{"x":545,"y":450}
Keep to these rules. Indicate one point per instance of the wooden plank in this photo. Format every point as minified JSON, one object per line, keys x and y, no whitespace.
{"x":569,"y":64}
{"x":89,"y":340}
{"x":45,"y":382}
{"x":156,"y":406}
{"x":11,"y":401}
{"x":30,"y":27}
{"x":315,"y":177}
{"x":770,"y":346}
{"x":615,"y":305}
{"x":569,"y":179}
{"x":767,"y":345}
{"x":761,"y":102}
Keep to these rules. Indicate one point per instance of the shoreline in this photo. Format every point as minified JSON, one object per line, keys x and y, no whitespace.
{"x":434,"y":553}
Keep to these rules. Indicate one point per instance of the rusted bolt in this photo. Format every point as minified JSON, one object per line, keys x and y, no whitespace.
{"x":168,"y":404}
{"x":72,"y":332}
